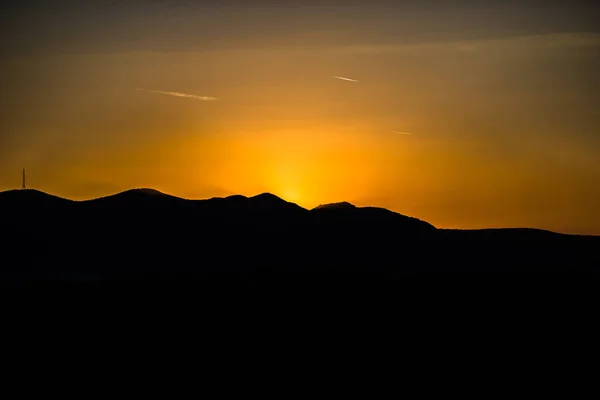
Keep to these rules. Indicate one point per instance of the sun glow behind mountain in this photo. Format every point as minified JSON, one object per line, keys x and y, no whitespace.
{"x":499,"y":101}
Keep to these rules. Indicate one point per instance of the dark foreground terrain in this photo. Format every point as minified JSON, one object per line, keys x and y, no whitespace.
{"x":143,"y":236}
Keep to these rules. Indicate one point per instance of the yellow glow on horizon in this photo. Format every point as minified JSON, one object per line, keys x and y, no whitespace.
{"x":493,"y":142}
{"x":301,"y":166}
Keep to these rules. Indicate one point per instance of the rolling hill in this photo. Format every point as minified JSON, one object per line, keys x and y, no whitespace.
{"x":145,"y":234}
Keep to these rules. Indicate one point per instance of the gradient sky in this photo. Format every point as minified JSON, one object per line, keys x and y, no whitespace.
{"x":502,"y":100}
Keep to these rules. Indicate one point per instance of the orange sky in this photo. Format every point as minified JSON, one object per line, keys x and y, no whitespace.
{"x":505,"y":130}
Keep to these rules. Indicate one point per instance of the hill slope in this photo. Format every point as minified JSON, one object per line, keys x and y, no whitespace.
{"x":145,"y":233}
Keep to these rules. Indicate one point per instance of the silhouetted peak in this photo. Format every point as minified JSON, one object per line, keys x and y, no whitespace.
{"x":271,"y":202}
{"x":236,"y":197}
{"x":145,"y":191}
{"x":344,"y":205}
{"x":268,"y":198}
{"x":31,"y":199}
{"x":29,"y":194}
{"x":136,"y":195}
{"x":24,"y":192}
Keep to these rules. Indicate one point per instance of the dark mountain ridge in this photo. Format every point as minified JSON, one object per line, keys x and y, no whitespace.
{"x":29,"y":198}
{"x":335,"y":206}
{"x":144,"y":233}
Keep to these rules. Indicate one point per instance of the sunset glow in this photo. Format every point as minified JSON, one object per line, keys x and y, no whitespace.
{"x":459,"y":122}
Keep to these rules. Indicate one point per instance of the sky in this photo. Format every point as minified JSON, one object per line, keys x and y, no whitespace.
{"x":466,"y":114}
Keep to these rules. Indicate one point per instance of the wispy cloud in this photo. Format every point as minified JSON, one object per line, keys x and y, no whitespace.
{"x":179,"y":94}
{"x":403,"y":133}
{"x":345,"y":79}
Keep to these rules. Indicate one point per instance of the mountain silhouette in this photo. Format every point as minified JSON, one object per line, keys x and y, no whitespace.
{"x":136,"y":193}
{"x":30,"y":198}
{"x":144,"y":234}
{"x":335,"y":206}
{"x":135,"y":198}
{"x":264,"y":201}
{"x":376,"y":219}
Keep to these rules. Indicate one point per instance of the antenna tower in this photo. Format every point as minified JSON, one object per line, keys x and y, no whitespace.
{"x":23,"y":186}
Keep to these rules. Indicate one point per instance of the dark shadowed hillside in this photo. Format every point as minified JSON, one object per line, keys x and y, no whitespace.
{"x":30,"y":199}
{"x":144,"y":234}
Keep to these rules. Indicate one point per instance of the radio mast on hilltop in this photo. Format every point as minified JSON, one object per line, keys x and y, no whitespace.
{"x":23,"y":186}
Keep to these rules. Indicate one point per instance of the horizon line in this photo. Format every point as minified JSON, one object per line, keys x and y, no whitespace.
{"x":307,"y":209}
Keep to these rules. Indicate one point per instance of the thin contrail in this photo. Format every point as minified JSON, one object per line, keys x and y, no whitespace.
{"x":178,"y":94}
{"x":403,"y":133}
{"x":345,"y":79}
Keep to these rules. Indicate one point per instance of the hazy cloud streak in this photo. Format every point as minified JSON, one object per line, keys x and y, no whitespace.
{"x":179,"y":94}
{"x":345,"y":79}
{"x":403,"y":133}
